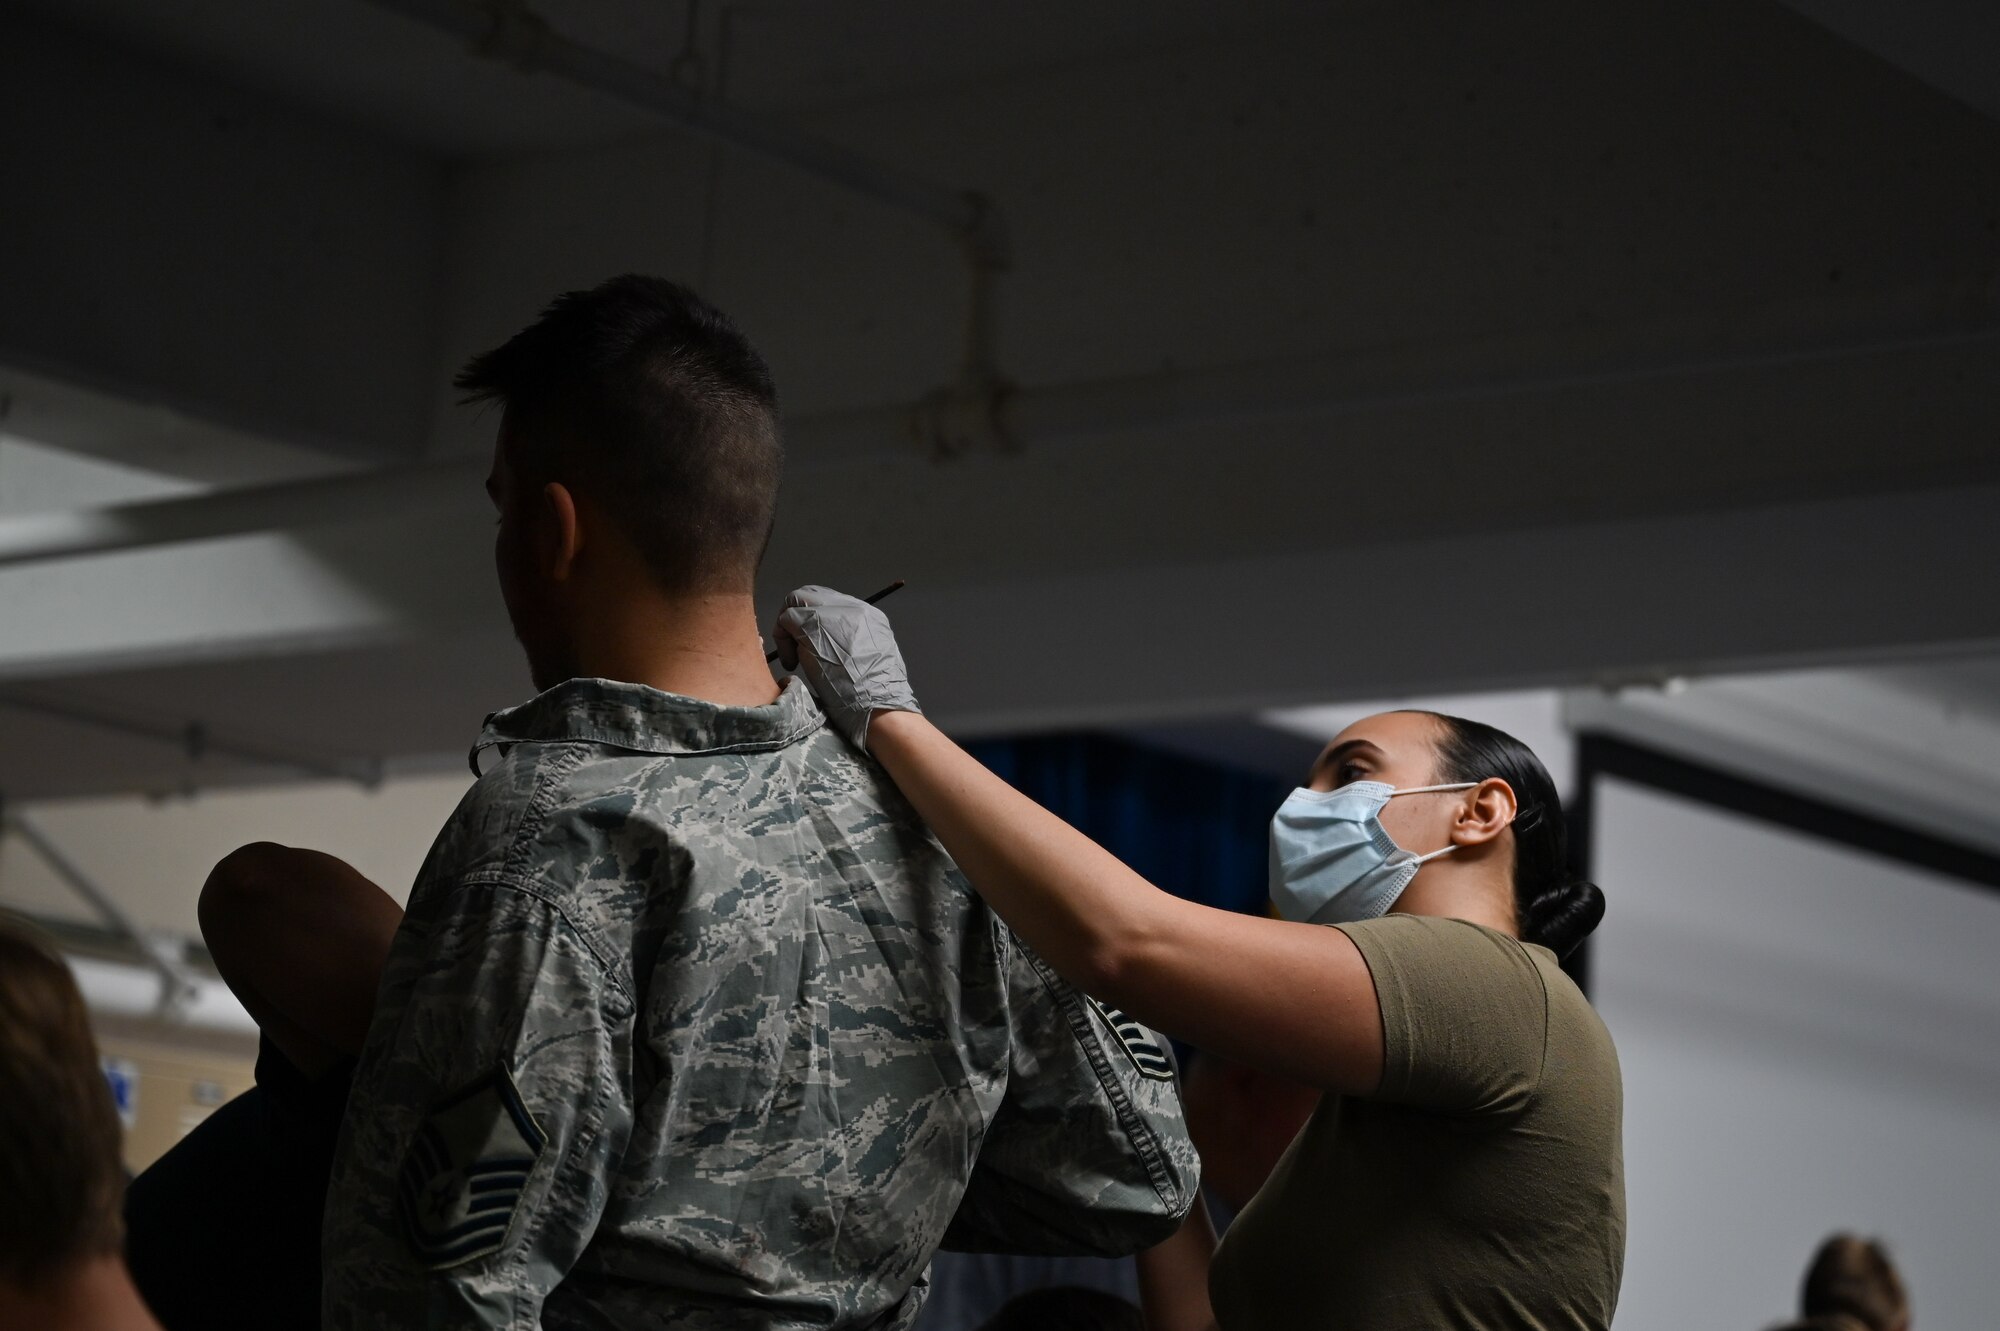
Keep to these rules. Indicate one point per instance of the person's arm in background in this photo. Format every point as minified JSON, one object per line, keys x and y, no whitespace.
{"x":1173,"y":1277}
{"x":301,"y":938}
{"x":1291,"y":998}
{"x":488,"y":1111}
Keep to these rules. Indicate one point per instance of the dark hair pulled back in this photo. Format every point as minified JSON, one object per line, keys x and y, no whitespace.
{"x":1852,"y":1279}
{"x":1552,"y":906}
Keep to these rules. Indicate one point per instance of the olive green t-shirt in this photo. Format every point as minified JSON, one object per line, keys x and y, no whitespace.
{"x":1482,"y":1187}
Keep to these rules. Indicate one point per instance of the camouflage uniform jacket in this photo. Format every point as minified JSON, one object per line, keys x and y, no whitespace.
{"x":692,"y":1024}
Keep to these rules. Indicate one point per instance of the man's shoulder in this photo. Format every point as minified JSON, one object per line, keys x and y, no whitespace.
{"x":586,"y":793}
{"x":511,"y":799}
{"x":581,"y":812}
{"x":624,"y":843}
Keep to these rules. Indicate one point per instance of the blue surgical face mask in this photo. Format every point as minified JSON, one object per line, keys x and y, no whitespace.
{"x":1332,"y":862}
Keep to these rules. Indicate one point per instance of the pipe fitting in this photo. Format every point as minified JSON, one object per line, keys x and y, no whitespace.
{"x":516,"y":35}
{"x":971,"y":414}
{"x":988,"y":241}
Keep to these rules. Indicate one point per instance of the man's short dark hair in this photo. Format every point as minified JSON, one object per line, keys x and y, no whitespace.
{"x":61,"y":1180}
{"x":644,"y":398}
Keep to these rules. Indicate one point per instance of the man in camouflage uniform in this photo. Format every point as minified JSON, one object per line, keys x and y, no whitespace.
{"x":690,"y":1022}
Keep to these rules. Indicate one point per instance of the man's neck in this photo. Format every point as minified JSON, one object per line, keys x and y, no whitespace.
{"x":94,"y":1295}
{"x":699,"y":646}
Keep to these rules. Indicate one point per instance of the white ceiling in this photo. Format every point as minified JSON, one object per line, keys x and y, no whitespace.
{"x":1953,"y":45}
{"x":1272,"y":239}
{"x":1916,"y":744}
{"x":1967,"y":690}
{"x":355,"y":61}
{"x":418,"y":700}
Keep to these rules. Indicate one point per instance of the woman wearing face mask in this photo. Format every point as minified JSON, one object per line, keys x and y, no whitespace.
{"x":1465,"y":1169}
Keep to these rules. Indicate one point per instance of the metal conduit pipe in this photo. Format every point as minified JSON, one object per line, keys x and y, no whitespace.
{"x":509,"y":31}
{"x":178,"y":985}
{"x":112,"y":989}
{"x":1370,"y":381}
{"x":194,"y":740}
{"x":1169,"y":400}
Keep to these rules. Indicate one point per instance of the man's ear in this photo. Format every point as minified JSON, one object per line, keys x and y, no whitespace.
{"x":1487,"y":811}
{"x":561,"y":533}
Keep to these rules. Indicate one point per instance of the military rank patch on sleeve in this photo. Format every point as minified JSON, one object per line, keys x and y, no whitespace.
{"x":466,"y":1170}
{"x":1138,"y":1043}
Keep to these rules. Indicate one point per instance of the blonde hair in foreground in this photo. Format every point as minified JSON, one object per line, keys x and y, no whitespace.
{"x":61,"y":1181}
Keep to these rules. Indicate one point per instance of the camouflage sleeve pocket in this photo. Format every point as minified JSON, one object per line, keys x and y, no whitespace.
{"x":1089,"y":1151}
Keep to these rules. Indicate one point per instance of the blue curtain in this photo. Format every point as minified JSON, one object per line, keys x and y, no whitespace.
{"x":1196,"y":829}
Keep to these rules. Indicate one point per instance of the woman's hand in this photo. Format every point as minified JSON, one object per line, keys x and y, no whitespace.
{"x":847,"y":653}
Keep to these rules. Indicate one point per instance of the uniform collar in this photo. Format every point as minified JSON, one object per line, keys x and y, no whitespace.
{"x":646,"y":720}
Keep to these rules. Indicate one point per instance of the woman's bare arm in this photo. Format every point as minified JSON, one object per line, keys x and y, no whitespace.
{"x":1173,"y":1276}
{"x":1294,"y":999}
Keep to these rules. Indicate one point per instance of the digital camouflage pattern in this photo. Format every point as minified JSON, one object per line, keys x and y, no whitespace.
{"x":692,"y":1024}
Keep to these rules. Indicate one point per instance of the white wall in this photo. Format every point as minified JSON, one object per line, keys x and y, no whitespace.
{"x":1808,"y":1042}
{"x":152,"y":855}
{"x":1533,"y":716}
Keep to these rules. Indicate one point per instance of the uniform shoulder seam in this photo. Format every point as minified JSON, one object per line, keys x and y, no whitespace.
{"x":550,"y":781}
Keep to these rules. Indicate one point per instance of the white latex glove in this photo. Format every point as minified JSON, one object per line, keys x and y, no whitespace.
{"x":847,"y":653}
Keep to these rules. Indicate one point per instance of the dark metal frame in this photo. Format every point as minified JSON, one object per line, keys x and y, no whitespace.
{"x":1607,"y":755}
